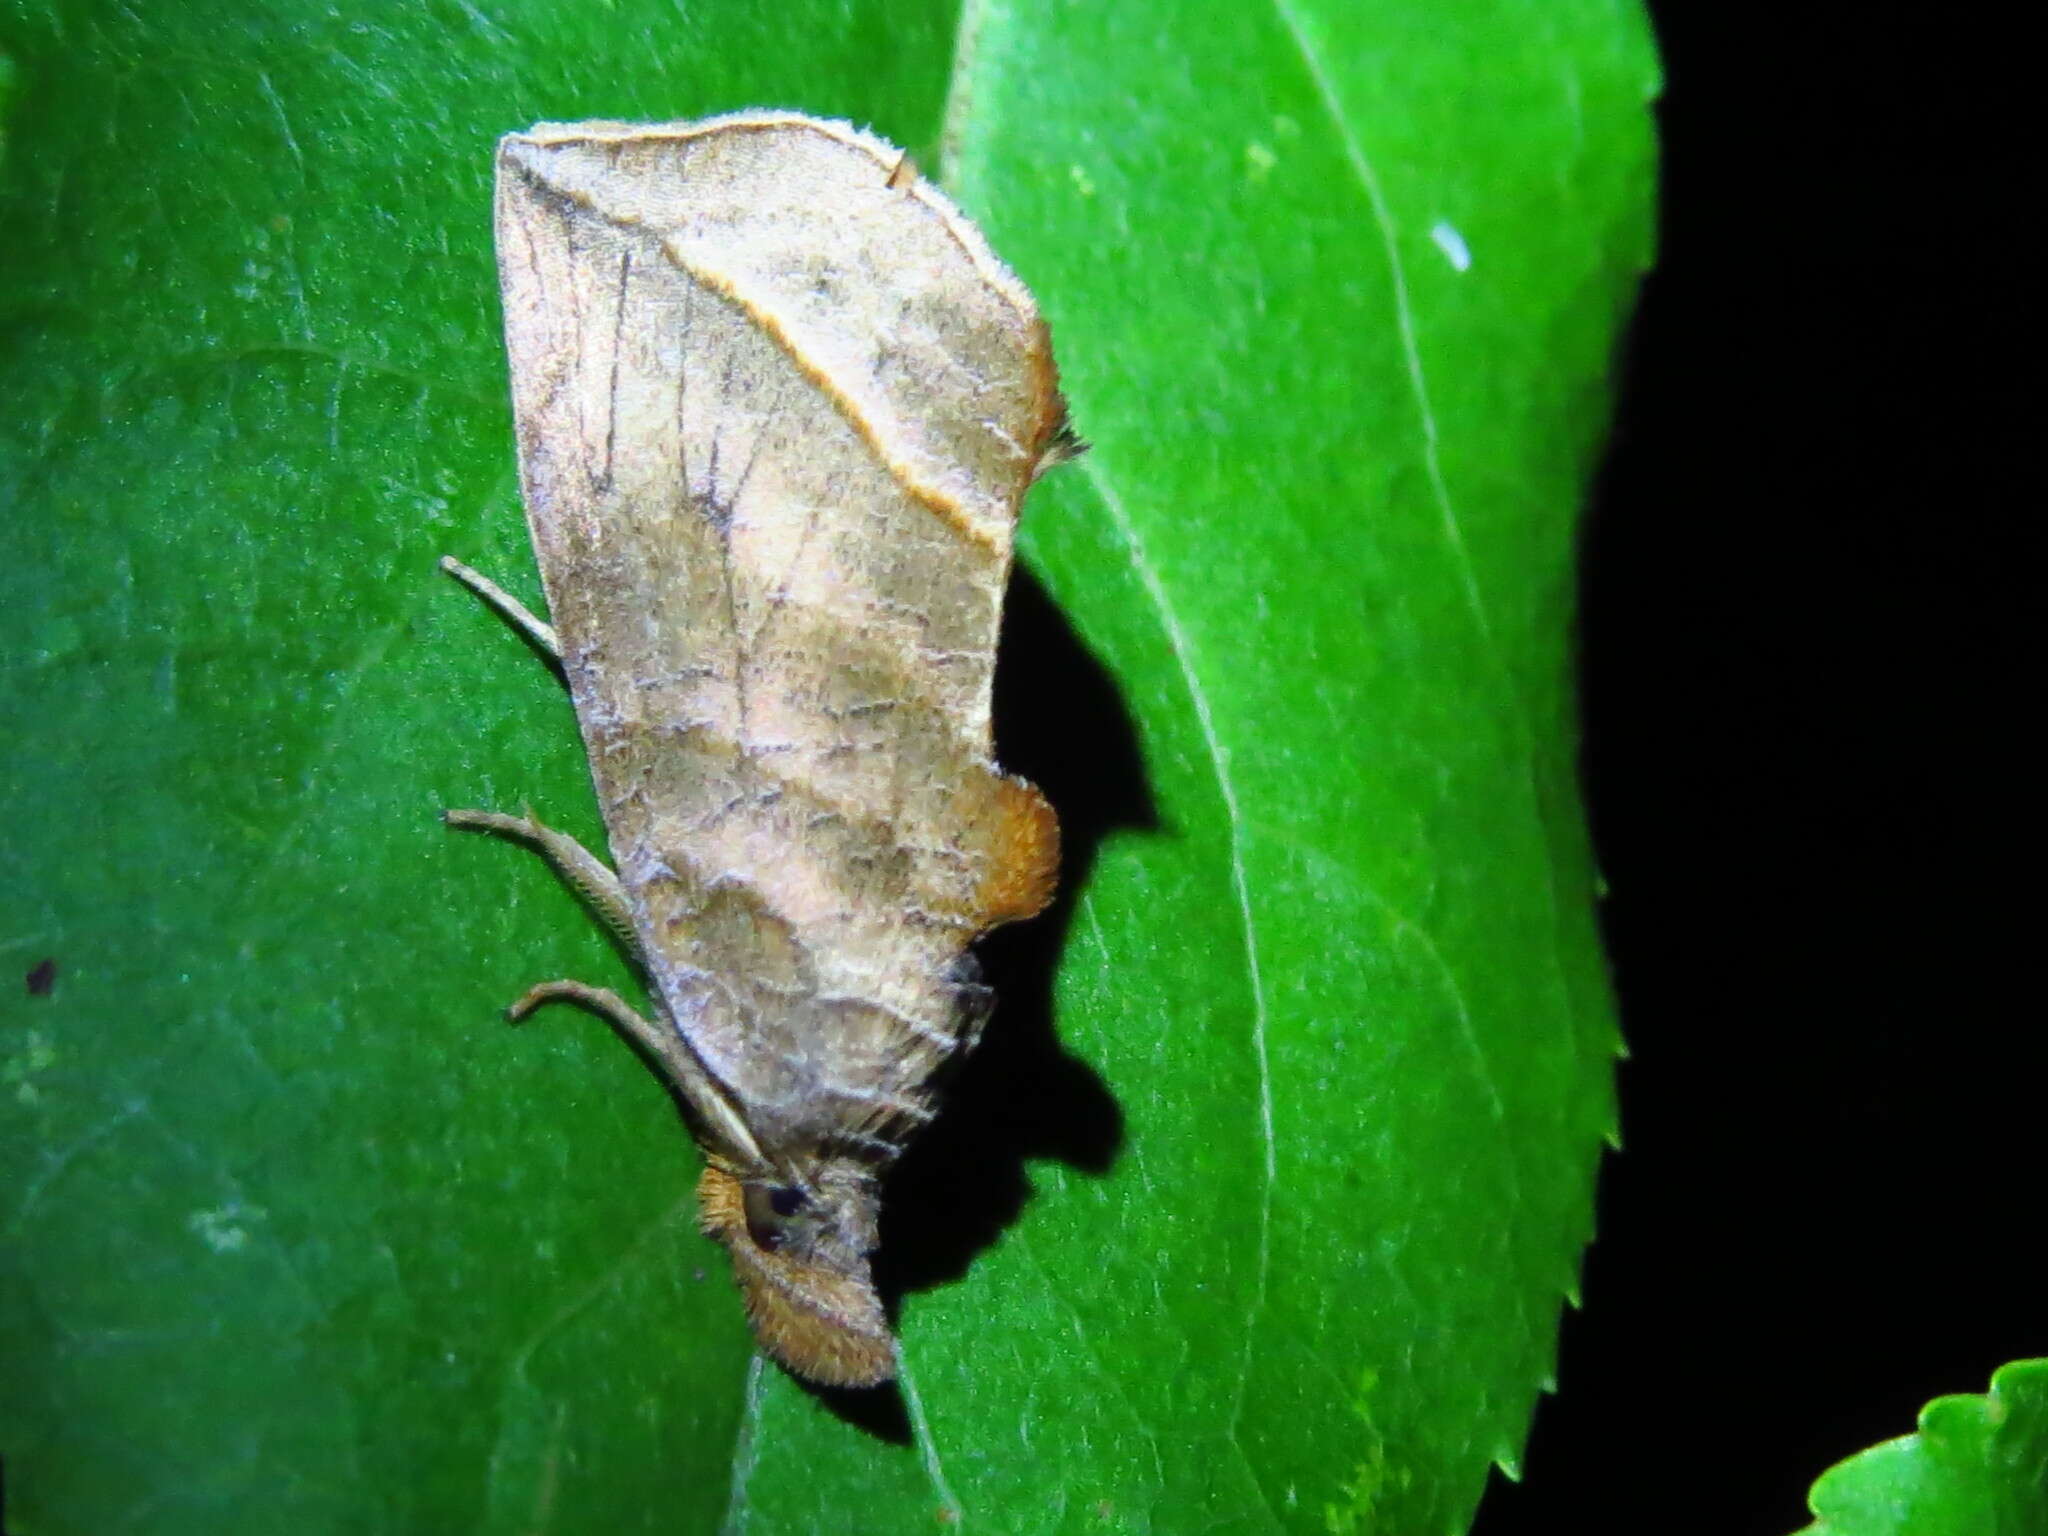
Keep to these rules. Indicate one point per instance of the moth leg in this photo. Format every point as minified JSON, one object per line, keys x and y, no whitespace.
{"x":581,"y":870}
{"x":591,"y":879}
{"x":725,"y":1129}
{"x":603,"y":1002}
{"x":514,"y":612}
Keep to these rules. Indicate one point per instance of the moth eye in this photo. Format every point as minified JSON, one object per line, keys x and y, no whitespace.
{"x":766,"y":1206}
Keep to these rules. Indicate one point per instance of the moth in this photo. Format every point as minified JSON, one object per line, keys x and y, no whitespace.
{"x":777,"y":406}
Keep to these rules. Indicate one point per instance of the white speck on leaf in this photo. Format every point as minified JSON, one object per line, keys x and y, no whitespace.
{"x":1452,"y":244}
{"x":36,"y":1055}
{"x":222,"y":1230}
{"x":1083,"y":182}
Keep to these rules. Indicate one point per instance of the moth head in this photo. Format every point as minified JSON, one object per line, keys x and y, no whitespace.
{"x":800,"y":1256}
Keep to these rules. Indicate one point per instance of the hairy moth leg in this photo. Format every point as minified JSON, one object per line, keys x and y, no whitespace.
{"x":603,"y":1002}
{"x":592,"y":879}
{"x":580,"y":869}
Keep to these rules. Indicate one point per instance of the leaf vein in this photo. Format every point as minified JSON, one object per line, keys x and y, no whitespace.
{"x":959,"y":100}
{"x":1404,"y":309}
{"x":746,"y":1450}
{"x":1110,"y":1379}
{"x":1219,"y":761}
{"x":927,"y":1448}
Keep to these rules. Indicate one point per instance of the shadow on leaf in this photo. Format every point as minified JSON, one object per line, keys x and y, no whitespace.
{"x":1061,"y":723}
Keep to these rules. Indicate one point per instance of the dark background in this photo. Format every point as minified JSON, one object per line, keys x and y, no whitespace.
{"x":1803,"y":680}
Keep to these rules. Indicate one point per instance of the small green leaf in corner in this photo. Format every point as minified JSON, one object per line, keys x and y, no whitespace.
{"x":1977,"y":1467}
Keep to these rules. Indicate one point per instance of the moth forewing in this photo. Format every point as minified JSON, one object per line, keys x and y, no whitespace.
{"x":777,"y":405}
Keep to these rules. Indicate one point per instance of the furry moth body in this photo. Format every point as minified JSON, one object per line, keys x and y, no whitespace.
{"x":777,"y":406}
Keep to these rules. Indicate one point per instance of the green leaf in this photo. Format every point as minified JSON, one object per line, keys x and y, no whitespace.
{"x":1977,"y":1467}
{"x":1257,"y":1209}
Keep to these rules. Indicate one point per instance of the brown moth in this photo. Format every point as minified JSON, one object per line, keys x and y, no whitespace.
{"x":777,"y":406}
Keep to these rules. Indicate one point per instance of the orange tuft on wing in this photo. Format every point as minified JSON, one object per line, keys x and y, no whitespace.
{"x":1024,"y":855}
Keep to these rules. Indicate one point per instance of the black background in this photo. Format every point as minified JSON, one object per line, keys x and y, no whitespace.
{"x":1807,"y":651}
